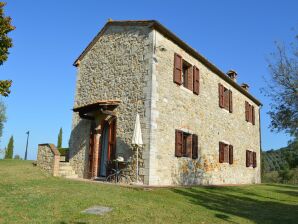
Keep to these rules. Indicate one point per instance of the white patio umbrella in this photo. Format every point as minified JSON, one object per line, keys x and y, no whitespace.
{"x":137,"y":140}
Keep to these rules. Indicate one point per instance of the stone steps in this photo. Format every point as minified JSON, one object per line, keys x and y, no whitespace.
{"x":65,"y":170}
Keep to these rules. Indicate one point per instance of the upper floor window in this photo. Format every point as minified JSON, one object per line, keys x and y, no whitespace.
{"x":186,"y":144}
{"x":186,"y":74}
{"x":225,"y":98}
{"x":249,"y":113}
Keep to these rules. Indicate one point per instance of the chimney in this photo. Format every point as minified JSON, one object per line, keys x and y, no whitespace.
{"x":245,"y":86}
{"x":233,"y":75}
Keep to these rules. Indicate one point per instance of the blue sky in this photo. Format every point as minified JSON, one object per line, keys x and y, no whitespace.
{"x":50,"y":35}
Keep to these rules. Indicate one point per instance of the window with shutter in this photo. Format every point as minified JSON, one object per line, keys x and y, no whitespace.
{"x":221,"y":152}
{"x":178,"y":143}
{"x":253,"y":115}
{"x":247,"y":158}
{"x":246,"y":111}
{"x":249,"y":114}
{"x":177,"y":76}
{"x":188,"y":144}
{"x":221,"y":95}
{"x":195,"y":147}
{"x":254,"y":159}
{"x":230,"y":102}
{"x":196,"y":80}
{"x":231,"y":155}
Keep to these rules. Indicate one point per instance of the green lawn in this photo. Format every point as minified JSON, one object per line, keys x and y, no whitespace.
{"x":29,"y":196}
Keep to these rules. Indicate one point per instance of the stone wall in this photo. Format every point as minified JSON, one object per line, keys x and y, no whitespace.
{"x":178,"y":108}
{"x":117,"y":67}
{"x":48,"y":158}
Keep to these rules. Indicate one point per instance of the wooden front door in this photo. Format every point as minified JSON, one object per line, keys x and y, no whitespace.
{"x":107,"y":149}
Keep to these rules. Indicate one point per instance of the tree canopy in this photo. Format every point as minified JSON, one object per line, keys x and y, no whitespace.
{"x":5,"y":44}
{"x":9,"y":150}
{"x":59,"y":142}
{"x":282,"y":88}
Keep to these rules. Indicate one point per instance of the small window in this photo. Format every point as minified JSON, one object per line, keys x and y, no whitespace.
{"x":251,"y":159}
{"x":186,"y":145}
{"x":249,"y":113}
{"x":187,"y":75}
{"x":225,"y":98}
{"x":225,"y":153}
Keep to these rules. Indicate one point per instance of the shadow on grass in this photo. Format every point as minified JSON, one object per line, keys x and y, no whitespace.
{"x":241,"y":205}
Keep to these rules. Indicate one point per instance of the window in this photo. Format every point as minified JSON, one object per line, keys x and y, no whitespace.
{"x":251,"y":159}
{"x":249,"y":113}
{"x":186,"y":145}
{"x":225,"y":98}
{"x":225,"y":153}
{"x":185,"y":74}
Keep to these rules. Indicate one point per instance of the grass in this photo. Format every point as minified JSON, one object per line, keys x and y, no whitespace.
{"x":28,"y":195}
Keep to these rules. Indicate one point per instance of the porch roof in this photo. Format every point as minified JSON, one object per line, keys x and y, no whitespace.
{"x":105,"y":106}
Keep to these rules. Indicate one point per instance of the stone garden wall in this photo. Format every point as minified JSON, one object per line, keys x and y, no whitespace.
{"x":48,"y":158}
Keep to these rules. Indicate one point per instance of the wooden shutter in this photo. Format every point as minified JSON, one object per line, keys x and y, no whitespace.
{"x":195,"y":147}
{"x":254,"y":155}
{"x":230,"y":102}
{"x":221,"y":152}
{"x":177,"y":76}
{"x":190,"y":78}
{"x":246,"y":111}
{"x":188,"y":150}
{"x":249,"y":113}
{"x":253,"y":114}
{"x":247,"y":158}
{"x":178,"y":143}
{"x":196,"y":80}
{"x":231,"y":156}
{"x":221,"y":95}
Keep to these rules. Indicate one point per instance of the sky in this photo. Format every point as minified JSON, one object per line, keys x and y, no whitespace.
{"x":49,"y":36}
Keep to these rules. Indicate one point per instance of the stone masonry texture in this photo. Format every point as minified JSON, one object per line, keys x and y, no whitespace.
{"x":117,"y":67}
{"x":134,"y":64}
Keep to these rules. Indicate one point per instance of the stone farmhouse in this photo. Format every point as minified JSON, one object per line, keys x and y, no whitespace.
{"x":199,"y":125}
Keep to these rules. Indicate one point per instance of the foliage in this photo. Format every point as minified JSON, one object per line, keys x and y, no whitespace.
{"x":9,"y":150}
{"x":2,"y":117}
{"x":30,"y":195}
{"x":59,"y":142}
{"x":286,"y":157}
{"x":63,"y":151}
{"x":285,"y":175}
{"x":17,"y":157}
{"x":283,"y":89}
{"x":5,"y":44}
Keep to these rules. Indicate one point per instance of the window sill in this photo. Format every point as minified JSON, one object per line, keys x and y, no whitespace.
{"x":186,"y":90}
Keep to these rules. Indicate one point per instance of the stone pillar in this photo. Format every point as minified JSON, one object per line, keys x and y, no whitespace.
{"x":96,"y":150}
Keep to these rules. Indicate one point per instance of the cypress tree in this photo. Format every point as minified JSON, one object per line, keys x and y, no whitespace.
{"x":59,"y":143}
{"x":9,"y":150}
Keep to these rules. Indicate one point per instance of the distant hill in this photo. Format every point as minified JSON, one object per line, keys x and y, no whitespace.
{"x":287,"y":157}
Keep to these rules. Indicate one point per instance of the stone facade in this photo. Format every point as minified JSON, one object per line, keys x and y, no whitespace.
{"x":134,"y":64}
{"x":200,"y":114}
{"x":48,"y":158}
{"x":117,"y":67}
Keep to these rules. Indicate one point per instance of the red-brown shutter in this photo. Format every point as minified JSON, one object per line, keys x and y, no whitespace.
{"x":247,"y":158}
{"x":177,"y":77}
{"x":250,"y":113}
{"x":230,"y":102}
{"x":221,"y":95}
{"x":221,"y":152}
{"x":196,"y":80}
{"x":195,"y":147}
{"x":246,"y":111}
{"x":231,"y":156}
{"x":253,"y":114}
{"x":190,"y":78}
{"x":188,"y":146}
{"x":254,"y":155}
{"x":178,"y":143}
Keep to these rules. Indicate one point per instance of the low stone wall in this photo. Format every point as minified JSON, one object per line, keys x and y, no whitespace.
{"x":48,"y":158}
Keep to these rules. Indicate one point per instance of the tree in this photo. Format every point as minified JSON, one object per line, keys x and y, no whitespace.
{"x":9,"y":150}
{"x":5,"y":44}
{"x":283,"y":89}
{"x":2,"y":117}
{"x":59,"y":143}
{"x":17,"y":157}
